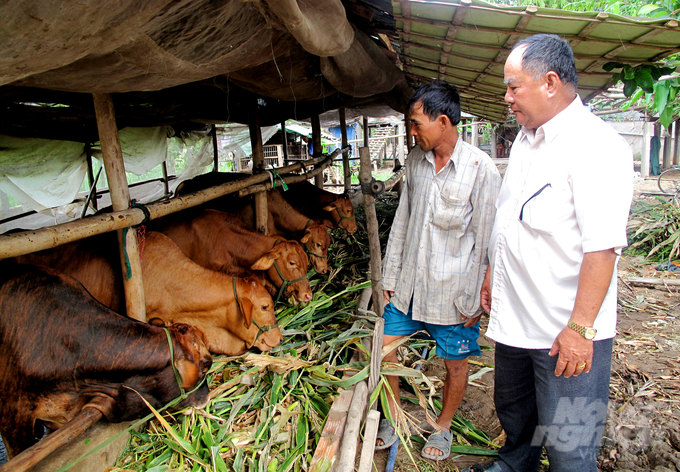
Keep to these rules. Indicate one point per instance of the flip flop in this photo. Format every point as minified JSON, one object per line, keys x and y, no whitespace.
{"x":386,"y":434}
{"x":440,"y":440}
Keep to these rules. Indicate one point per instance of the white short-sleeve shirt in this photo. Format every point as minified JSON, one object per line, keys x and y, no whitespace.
{"x":567,"y":191}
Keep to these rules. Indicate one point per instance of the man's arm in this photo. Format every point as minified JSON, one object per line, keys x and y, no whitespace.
{"x":483,"y":201}
{"x":595,"y":276}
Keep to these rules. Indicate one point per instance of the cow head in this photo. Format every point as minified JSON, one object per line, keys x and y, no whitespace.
{"x":342,"y":212}
{"x":259,"y":327}
{"x":286,"y":263}
{"x":316,"y":241}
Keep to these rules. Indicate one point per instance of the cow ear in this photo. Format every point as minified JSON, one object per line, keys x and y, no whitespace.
{"x":156,"y":322}
{"x":247,"y":310}
{"x":306,"y":237}
{"x":331,"y":207}
{"x":264,"y":262}
{"x":188,"y":372}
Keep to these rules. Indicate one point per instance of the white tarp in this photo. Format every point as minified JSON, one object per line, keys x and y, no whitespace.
{"x":41,"y":173}
{"x":142,"y":148}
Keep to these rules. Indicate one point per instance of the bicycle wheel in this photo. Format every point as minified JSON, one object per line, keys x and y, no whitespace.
{"x":669,"y":181}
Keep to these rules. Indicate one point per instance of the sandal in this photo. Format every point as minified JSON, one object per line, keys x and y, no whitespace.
{"x":440,"y":440}
{"x":386,"y":434}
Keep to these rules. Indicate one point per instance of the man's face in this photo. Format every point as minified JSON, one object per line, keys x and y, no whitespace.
{"x":527,"y":97}
{"x":428,"y":134}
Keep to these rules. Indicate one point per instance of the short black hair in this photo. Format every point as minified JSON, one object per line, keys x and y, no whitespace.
{"x":438,"y":98}
{"x":548,"y":52}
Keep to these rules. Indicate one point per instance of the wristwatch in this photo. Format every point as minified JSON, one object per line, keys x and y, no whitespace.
{"x":588,"y":333}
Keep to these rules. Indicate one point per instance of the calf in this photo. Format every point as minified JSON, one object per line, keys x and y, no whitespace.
{"x":174,"y":287}
{"x":283,"y":218}
{"x":332,"y":209}
{"x":234,"y":313}
{"x":62,"y":351}
{"x":220,"y":241}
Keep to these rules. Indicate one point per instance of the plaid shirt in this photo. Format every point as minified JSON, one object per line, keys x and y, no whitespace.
{"x":437,"y":250}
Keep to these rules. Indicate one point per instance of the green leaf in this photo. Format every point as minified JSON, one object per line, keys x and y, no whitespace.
{"x":649,"y":10}
{"x":667,"y":70}
{"x":644,"y":79}
{"x":629,"y":87}
{"x":616,"y":77}
{"x":661,"y":92}
{"x":656,"y":73}
{"x":672,"y":93}
{"x":632,"y":100}
{"x":666,"y":116}
{"x":610,"y":66}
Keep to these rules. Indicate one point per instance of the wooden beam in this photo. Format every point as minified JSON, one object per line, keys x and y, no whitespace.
{"x":318,"y":150}
{"x":25,"y":242}
{"x":261,"y":212}
{"x":284,"y":136}
{"x":120,"y":200}
{"x":350,"y":437}
{"x":216,"y":155}
{"x":333,"y":430}
{"x":372,"y":228}
{"x":29,"y":458}
{"x":347,"y":172}
{"x":370,"y":436}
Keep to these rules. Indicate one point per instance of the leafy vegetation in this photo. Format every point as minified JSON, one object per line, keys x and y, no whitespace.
{"x":654,"y":230}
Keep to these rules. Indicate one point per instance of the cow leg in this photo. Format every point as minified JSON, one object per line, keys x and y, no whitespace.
{"x":221,"y":341}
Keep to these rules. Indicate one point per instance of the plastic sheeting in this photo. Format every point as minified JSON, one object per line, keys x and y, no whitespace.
{"x":142,"y":148}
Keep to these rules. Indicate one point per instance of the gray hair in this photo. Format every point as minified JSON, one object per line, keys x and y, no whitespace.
{"x":548,"y":52}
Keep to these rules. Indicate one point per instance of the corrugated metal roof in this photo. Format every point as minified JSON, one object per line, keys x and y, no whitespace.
{"x":466,"y":42}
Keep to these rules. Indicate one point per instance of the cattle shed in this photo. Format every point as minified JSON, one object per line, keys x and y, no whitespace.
{"x":81,"y":72}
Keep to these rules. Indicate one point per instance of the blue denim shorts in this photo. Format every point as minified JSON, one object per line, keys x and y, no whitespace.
{"x":454,"y":342}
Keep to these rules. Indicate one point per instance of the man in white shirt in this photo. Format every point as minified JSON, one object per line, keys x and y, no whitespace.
{"x":551,"y":287}
{"x":436,"y":256}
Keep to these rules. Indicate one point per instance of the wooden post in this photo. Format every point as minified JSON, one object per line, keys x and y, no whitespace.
{"x":493,"y":142}
{"x":409,"y":139}
{"x":647,"y":130}
{"x":316,"y":144}
{"x":90,"y":173}
{"x":350,"y":436}
{"x":120,"y":200}
{"x":166,"y":187}
{"x":370,"y":435}
{"x":474,"y":139}
{"x":372,"y":227}
{"x":667,"y":148}
{"x":345,"y":155}
{"x":284,"y":136}
{"x":216,"y":154}
{"x":399,"y":160}
{"x":261,"y":212}
{"x":676,"y":151}
{"x":366,"y":132}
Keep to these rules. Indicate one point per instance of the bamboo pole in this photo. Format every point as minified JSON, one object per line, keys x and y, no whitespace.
{"x":261,"y":213}
{"x":348,"y":447}
{"x":676,"y":151}
{"x":316,"y":143}
{"x":29,"y":458}
{"x":345,"y":155}
{"x":90,"y":173}
{"x":647,"y":131}
{"x":370,"y":435}
{"x":372,"y":227}
{"x":25,"y":242}
{"x":366,"y":133}
{"x":120,"y":200}
{"x":166,"y":187}
{"x":216,"y":154}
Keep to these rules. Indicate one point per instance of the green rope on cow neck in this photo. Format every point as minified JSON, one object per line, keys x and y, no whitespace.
{"x":261,"y":330}
{"x":273,"y":175}
{"x":343,"y":217}
{"x":183,"y":394}
{"x":309,"y":251}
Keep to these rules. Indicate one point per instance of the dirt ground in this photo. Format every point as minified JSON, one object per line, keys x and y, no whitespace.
{"x":642,"y":432}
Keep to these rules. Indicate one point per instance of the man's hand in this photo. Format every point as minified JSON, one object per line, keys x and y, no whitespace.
{"x":470,"y":321}
{"x":574,"y":351}
{"x":387,"y":295}
{"x":485,"y":292}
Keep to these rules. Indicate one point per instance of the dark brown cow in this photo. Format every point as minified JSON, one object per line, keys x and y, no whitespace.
{"x":174,"y":286}
{"x":220,"y":241}
{"x":62,"y":351}
{"x":332,"y":209}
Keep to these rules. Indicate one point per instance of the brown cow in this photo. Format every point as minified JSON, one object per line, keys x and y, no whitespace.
{"x":287,"y":221}
{"x":62,"y":351}
{"x":332,"y":209}
{"x":283,"y":218}
{"x":234,"y":313}
{"x":174,"y":286}
{"x":220,"y":241}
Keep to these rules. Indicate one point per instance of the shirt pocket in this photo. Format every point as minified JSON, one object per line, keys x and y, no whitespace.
{"x":541,"y":211}
{"x":450,"y":212}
